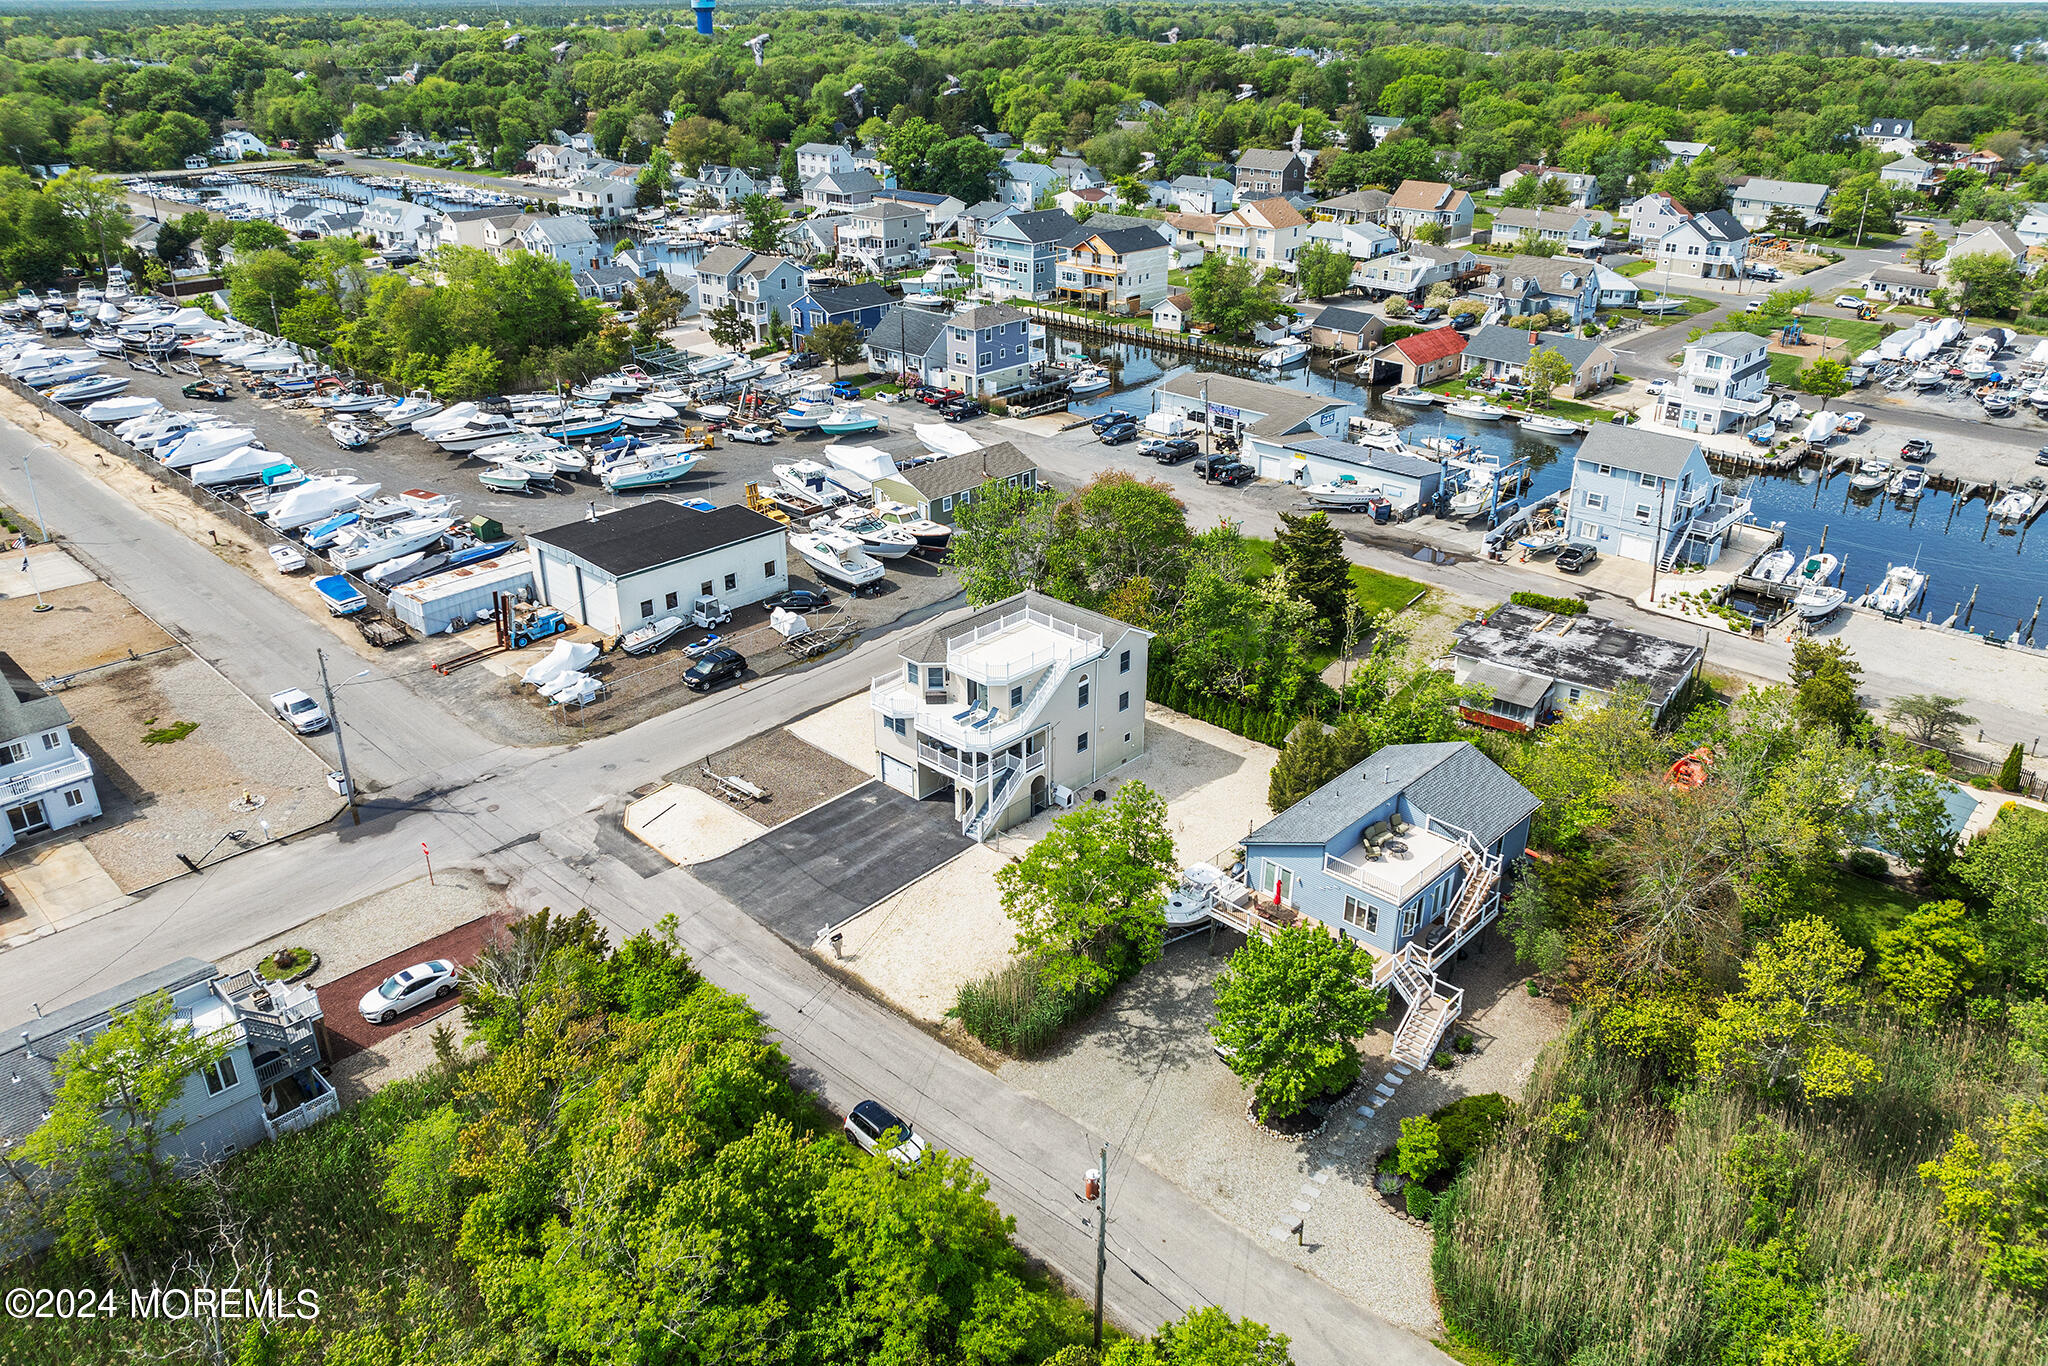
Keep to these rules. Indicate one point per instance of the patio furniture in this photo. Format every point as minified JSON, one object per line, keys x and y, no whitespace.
{"x":1396,"y":847}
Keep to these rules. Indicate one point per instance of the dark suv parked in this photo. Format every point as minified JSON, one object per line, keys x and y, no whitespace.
{"x":1118,"y":433}
{"x":1225,"y":469}
{"x":720,"y":666}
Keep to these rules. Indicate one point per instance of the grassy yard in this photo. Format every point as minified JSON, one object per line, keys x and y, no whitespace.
{"x":1635,"y":268}
{"x":1862,"y":908}
{"x":1139,"y":320}
{"x":1554,"y":407}
{"x":1692,"y":306}
{"x":1377,"y":591}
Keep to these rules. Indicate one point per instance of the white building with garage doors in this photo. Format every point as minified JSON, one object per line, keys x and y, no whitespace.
{"x":1015,"y":708}
{"x":614,"y":571}
{"x":46,"y":780}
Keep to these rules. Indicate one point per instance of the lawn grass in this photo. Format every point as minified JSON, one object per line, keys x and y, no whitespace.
{"x":1635,"y":268}
{"x":1863,"y":908}
{"x":1377,"y":590}
{"x":1553,"y":407}
{"x":1692,"y":307}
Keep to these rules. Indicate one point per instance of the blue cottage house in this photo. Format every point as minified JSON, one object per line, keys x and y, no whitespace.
{"x":861,"y":305}
{"x":1403,"y":853}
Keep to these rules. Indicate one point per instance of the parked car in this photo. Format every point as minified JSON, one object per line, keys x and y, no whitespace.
{"x":961,"y":410}
{"x":1848,"y":301}
{"x":2041,"y":456}
{"x":1576,"y":556}
{"x":798,"y":600}
{"x":753,"y":433}
{"x":1656,"y":386}
{"x":1422,"y":316}
{"x":803,"y":360}
{"x":1171,"y":451}
{"x":1119,"y":433}
{"x":1111,"y":418}
{"x":409,"y":990}
{"x":297,"y":710}
{"x":720,"y":666}
{"x":1225,"y":469}
{"x":870,"y":1126}
{"x":1919,"y":450}
{"x":1464,"y":322}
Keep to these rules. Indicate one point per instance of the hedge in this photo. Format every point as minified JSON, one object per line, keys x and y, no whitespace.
{"x":1252,"y":722}
{"x":1543,"y":602}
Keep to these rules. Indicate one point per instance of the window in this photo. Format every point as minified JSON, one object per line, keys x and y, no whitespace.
{"x":50,"y":739}
{"x":1642,"y":512}
{"x":1127,"y":737}
{"x":647,"y":607}
{"x":899,"y":724}
{"x":1017,"y":696}
{"x":1409,"y":916}
{"x":1648,"y":481}
{"x":934,"y":677}
{"x":74,"y":797}
{"x":912,"y":670}
{"x":1607,"y":469}
{"x":1081,"y":694}
{"x":732,"y":581}
{"x":1363,"y":914}
{"x":768,"y":570}
{"x":1572,"y":693}
{"x":704,"y":589}
{"x":13,"y":754}
{"x":1123,"y":663}
{"x":1595,"y":500}
{"x":1123,"y":701}
{"x":671,"y":601}
{"x":945,"y":505}
{"x":220,"y":1076}
{"x":1081,"y":743}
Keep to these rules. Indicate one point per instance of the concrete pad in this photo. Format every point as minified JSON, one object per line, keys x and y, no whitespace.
{"x":687,"y":826}
{"x":47,"y":569}
{"x":1301,"y":1207}
{"x":845,"y":730}
{"x":59,"y":881}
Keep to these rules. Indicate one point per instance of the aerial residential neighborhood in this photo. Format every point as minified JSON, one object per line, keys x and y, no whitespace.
{"x":1026,"y":684}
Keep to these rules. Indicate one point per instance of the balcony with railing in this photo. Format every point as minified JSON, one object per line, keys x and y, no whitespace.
{"x":1717,"y":518}
{"x":1396,"y":875}
{"x":1017,"y":645}
{"x":36,"y":781}
{"x":320,"y":1100}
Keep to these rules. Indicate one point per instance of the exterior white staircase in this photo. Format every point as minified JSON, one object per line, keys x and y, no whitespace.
{"x":1004,"y":784}
{"x":1433,"y":1004}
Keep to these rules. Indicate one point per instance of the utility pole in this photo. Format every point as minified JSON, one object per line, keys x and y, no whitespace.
{"x":42,"y":530}
{"x":1206,"y":452}
{"x":1657,"y":546}
{"x":340,"y":748}
{"x":1102,"y":1225}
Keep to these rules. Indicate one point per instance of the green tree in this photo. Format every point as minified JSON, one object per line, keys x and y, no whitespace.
{"x":1088,"y":898}
{"x":1929,"y":960}
{"x":728,"y":329}
{"x":1784,"y":1032}
{"x":1311,"y":550}
{"x":763,"y":230}
{"x":1309,"y":759}
{"x":1433,"y":234}
{"x":1824,"y":379}
{"x":1209,"y":1336}
{"x":1929,"y":718}
{"x":1984,"y":283}
{"x":1419,"y":1155}
{"x":2009,"y":774}
{"x":1546,"y":369}
{"x":1927,"y":248}
{"x":469,"y":372}
{"x":108,"y":1144}
{"x":262,"y":288}
{"x":838,"y":343}
{"x":1322,"y":271}
{"x":1825,"y":676}
{"x":1996,"y":1191}
{"x":1287,"y":1009}
{"x":1861,"y":204}
{"x":1005,"y":540}
{"x":421,"y":1187}
{"x":2007,"y":865}
{"x":1227,"y":294}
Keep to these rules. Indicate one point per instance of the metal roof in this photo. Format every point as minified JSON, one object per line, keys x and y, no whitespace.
{"x":1451,"y":781}
{"x":1367,"y":457}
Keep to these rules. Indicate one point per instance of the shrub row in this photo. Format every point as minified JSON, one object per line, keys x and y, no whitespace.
{"x":1544,"y":602}
{"x":1252,"y":722}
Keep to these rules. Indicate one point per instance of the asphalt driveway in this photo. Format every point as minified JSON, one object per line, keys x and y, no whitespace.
{"x":836,"y":860}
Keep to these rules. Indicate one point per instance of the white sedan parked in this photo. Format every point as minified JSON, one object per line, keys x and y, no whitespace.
{"x":408,"y":990}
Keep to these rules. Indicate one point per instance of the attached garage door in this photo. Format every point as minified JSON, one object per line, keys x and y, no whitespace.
{"x":899,"y":775}
{"x":1634,"y":548}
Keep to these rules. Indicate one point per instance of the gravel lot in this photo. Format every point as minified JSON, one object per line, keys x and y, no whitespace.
{"x":796,"y":775}
{"x":1143,"y":1072}
{"x":918,"y":946}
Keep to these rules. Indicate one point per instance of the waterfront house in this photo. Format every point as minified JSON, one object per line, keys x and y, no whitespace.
{"x":1720,"y":384}
{"x":860,"y":305}
{"x":1173,"y":313}
{"x":1522,"y":286}
{"x":1121,"y":270}
{"x":884,"y":238}
{"x":1502,"y":353}
{"x":1536,"y":667}
{"x":1016,"y":708}
{"x":938,"y":488}
{"x":1641,"y":494}
{"x":1346,"y":329}
{"x":1255,"y":411}
{"x":1420,"y":357}
{"x":907,"y":341}
{"x":1017,"y":255}
{"x":988,"y":350}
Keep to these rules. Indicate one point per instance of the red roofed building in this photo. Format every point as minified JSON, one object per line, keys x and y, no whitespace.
{"x":1422,"y":358}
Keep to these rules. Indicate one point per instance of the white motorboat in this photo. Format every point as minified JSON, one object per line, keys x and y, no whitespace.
{"x":650,"y":412}
{"x":316,"y":500}
{"x":1284,"y":355}
{"x":1774,"y":567}
{"x":518,"y":444}
{"x":1764,"y":433}
{"x":349,"y":434}
{"x":1548,"y":426}
{"x":362,"y":546}
{"x":1814,"y":570}
{"x":879,"y":538}
{"x":1472,"y":499}
{"x":1909,"y":483}
{"x":932,"y":537}
{"x":2014,"y":505}
{"x":649,"y":468}
{"x":1477,"y":409}
{"x":404,"y":412}
{"x":47,"y":371}
{"x":236,"y":467}
{"x":1343,"y":492}
{"x":271,"y":362}
{"x":1852,"y":422}
{"x":808,"y":410}
{"x":944,"y":439}
{"x":109,"y":411}
{"x":1787,"y":411}
{"x":205,"y":443}
{"x":710,"y":365}
{"x":652,"y":636}
{"x":287,"y":559}
{"x":1818,"y":602}
{"x":846,"y":418}
{"x":341,"y":402}
{"x":79,"y":391}
{"x":107,"y":344}
{"x":1089,"y":379}
{"x":819,"y":483}
{"x":1871,"y":476}
{"x":1411,"y":396}
{"x":480,"y":430}
{"x":1900,"y":591}
{"x":744,"y":371}
{"x":838,"y":557}
{"x":1929,"y":377}
{"x":449,"y":418}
